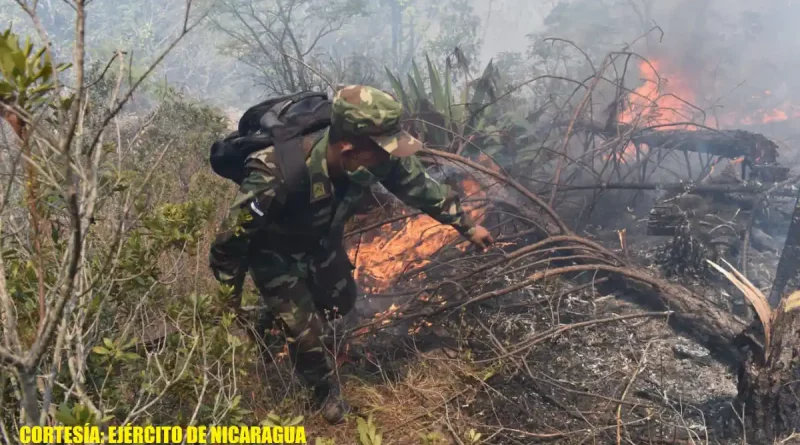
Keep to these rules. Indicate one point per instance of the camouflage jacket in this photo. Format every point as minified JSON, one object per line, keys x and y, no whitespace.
{"x":265,"y":217}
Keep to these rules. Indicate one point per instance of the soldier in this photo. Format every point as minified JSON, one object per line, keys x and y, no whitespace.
{"x":292,"y":242}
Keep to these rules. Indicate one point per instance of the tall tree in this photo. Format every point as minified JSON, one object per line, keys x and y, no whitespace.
{"x":280,"y":40}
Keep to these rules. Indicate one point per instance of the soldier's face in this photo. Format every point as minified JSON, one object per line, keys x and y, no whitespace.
{"x":362,"y":153}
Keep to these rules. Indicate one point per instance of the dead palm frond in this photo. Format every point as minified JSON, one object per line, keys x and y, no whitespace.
{"x":756,"y":298}
{"x":759,"y":301}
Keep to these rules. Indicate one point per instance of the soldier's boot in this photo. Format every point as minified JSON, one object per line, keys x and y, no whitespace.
{"x":328,"y":397}
{"x":317,"y":370}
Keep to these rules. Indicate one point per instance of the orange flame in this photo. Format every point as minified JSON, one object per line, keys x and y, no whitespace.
{"x":664,"y":97}
{"x":660,"y":100}
{"x":386,"y":253}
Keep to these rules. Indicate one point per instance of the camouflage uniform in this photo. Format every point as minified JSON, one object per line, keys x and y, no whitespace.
{"x":292,"y":244}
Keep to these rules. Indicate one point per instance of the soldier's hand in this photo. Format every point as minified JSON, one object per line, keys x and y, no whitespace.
{"x":481,"y":238}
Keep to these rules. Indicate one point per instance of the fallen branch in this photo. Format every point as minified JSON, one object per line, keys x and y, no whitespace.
{"x":555,"y":332}
{"x":511,"y":182}
{"x":687,"y":187}
{"x":692,"y":314}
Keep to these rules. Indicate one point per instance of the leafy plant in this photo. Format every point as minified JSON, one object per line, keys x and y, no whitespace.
{"x":470,"y":122}
{"x":432,"y":438}
{"x":274,"y":419}
{"x":116,"y":349}
{"x":444,"y":116}
{"x":367,"y":432}
{"x":78,"y":415}
{"x":473,"y":437}
{"x":26,"y":77}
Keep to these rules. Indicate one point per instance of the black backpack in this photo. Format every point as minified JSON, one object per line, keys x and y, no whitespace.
{"x":281,"y":122}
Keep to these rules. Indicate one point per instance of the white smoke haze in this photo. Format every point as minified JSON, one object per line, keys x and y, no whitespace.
{"x":734,"y":59}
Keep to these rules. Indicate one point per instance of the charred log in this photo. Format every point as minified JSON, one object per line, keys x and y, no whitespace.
{"x":688,"y":187}
{"x":769,"y":173}
{"x":727,"y":143}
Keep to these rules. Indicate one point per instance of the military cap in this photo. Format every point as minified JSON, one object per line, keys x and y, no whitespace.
{"x":361,"y":110}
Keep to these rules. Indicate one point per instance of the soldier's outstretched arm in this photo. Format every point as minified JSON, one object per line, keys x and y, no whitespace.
{"x":411,"y":184}
{"x":248,"y":213}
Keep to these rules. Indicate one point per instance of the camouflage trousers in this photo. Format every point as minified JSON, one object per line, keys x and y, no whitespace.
{"x":303,"y":293}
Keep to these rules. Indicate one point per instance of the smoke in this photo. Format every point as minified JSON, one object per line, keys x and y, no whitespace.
{"x":736,"y":59}
{"x":739,"y":57}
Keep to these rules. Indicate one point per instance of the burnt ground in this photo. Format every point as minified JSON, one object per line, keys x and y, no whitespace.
{"x":492,"y":367}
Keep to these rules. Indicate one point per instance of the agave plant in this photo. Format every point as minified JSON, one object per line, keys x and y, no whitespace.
{"x":467,"y":122}
{"x":444,"y":121}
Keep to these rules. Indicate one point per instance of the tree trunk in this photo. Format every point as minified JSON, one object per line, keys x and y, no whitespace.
{"x":397,"y":31}
{"x":769,"y":382}
{"x":769,"y":391}
{"x":787,"y":274}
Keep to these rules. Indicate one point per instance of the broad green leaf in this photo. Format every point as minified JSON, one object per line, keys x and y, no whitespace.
{"x":99,"y":350}
{"x":26,"y":51}
{"x":64,"y":415}
{"x":6,"y":63}
{"x":45,"y":73}
{"x":19,"y":59}
{"x":363,"y":431}
{"x":5,"y":89}
{"x":130,"y":356}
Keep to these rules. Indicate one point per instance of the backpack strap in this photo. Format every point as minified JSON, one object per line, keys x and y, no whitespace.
{"x":291,"y":122}
{"x":282,"y":122}
{"x":292,"y":161}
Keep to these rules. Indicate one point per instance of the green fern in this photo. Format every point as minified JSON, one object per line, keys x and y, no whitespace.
{"x":367,"y":432}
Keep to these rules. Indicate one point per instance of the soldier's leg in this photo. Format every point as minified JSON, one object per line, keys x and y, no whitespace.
{"x":332,"y":283}
{"x":287,"y":296}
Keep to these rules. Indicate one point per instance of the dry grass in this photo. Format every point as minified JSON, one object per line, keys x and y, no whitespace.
{"x":416,"y":403}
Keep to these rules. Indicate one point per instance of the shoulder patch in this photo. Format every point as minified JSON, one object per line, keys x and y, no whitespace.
{"x":319,"y":190}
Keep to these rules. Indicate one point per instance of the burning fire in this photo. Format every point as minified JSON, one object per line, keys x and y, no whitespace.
{"x":380,"y":258}
{"x":667,"y":100}
{"x":661,"y":100}
{"x":662,"y":103}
